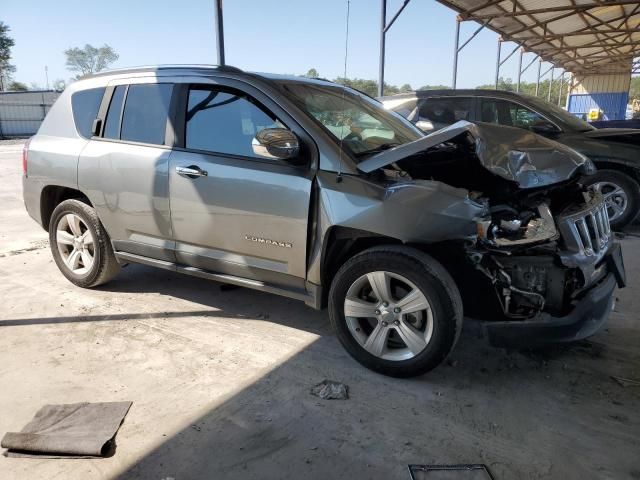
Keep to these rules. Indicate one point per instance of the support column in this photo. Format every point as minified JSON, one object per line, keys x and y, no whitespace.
{"x":383,"y":25}
{"x":550,"y":86}
{"x":219,"y":32}
{"x":455,"y":54}
{"x":538,"y":80}
{"x":519,"y":70}
{"x":498,"y":60}
{"x":561,"y":87}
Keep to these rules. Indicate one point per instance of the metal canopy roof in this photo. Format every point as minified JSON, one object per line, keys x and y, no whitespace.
{"x":582,"y":36}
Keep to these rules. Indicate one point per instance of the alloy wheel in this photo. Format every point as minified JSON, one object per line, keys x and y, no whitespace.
{"x":614,"y":197}
{"x":388,"y":315}
{"x":75,"y":243}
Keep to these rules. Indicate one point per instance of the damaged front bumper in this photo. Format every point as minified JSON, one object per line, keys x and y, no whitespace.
{"x":589,"y":312}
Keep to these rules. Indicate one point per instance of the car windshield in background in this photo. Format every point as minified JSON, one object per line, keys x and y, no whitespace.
{"x":361,"y":123}
{"x":570,"y":121}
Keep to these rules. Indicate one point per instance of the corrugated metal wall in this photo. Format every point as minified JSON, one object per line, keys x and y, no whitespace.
{"x":21,"y":113}
{"x":609,"y":93}
{"x":613,"y":105}
{"x":602,"y":83}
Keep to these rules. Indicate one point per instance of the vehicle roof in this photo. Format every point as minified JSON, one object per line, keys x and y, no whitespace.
{"x":469,"y":92}
{"x":201,"y":69}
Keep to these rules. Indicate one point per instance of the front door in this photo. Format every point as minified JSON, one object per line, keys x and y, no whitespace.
{"x":232,"y":211}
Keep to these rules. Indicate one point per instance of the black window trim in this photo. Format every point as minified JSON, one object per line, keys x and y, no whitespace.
{"x":103,"y":118}
{"x":104,"y":107}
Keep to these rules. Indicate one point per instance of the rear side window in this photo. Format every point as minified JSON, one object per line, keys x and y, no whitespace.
{"x":145,"y":114}
{"x":85,"y":105}
{"x":112,"y":125}
{"x":446,"y":110}
{"x":512,"y":114}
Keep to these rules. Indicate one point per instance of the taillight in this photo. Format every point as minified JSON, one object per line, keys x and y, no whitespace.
{"x":25,"y":156}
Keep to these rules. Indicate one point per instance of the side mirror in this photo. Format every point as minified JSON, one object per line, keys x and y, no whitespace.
{"x":544,"y":129}
{"x":276,"y":143}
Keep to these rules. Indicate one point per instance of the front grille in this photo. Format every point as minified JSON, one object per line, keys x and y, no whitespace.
{"x":587,"y":231}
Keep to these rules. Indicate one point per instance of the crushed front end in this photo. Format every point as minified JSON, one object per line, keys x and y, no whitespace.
{"x":552,"y":266}
{"x":543,"y":264}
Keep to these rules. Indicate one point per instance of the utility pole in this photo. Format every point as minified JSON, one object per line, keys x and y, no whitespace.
{"x":46,"y":75}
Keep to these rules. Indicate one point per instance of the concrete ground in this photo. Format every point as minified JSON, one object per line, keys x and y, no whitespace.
{"x":220,"y":381}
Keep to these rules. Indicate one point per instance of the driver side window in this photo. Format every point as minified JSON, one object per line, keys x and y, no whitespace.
{"x":225,"y":121}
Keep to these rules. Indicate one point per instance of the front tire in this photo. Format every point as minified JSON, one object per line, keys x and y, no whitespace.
{"x":621,"y":193}
{"x":396,"y":310}
{"x":80,"y":245}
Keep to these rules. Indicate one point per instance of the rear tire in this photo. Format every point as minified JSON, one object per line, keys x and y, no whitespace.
{"x":80,"y":245}
{"x":414,"y":328}
{"x":622,"y":194}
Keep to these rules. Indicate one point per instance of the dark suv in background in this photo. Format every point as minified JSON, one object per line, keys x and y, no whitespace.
{"x":615,"y":151}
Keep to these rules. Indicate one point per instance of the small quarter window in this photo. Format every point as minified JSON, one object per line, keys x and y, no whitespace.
{"x":85,"y":105}
{"x":145,"y":114}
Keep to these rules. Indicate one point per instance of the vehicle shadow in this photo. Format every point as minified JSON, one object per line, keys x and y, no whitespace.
{"x":483,"y":406}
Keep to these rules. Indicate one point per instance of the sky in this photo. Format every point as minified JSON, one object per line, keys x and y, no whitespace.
{"x":284,"y":36}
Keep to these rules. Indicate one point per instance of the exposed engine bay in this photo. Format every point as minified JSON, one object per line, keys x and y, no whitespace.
{"x":544,"y":235}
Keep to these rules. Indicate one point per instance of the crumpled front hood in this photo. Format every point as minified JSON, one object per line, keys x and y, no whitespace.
{"x":514,"y":154}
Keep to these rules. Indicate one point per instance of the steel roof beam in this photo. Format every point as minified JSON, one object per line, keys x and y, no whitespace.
{"x":562,"y":8}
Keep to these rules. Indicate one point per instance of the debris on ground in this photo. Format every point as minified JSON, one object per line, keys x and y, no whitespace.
{"x":330,"y":390}
{"x":626,"y":382}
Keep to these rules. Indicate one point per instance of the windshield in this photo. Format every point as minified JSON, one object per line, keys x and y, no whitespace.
{"x":362,"y":125}
{"x":571,"y":122}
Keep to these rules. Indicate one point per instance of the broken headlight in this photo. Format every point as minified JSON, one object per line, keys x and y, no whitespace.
{"x":509,"y":228}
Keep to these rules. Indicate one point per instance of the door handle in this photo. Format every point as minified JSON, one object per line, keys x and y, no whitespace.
{"x":192,"y":171}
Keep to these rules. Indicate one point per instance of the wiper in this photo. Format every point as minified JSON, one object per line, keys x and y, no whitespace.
{"x":378,"y":149}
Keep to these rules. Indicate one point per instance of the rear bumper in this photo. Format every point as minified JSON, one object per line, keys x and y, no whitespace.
{"x":31,"y":192}
{"x":589,"y":314}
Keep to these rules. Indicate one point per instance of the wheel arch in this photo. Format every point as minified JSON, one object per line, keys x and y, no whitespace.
{"x":341,"y":243}
{"x":628,"y":170}
{"x":52,"y":195}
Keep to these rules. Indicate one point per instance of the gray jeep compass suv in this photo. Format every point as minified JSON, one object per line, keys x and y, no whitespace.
{"x":314,"y":191}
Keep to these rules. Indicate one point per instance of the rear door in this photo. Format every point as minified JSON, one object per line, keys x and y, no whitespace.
{"x":124,"y":168}
{"x":241,"y":214}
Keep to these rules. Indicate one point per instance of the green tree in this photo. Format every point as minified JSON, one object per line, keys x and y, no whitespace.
{"x":634,"y":90}
{"x":59,"y":84}
{"x":90,"y":59}
{"x":17,"y":87}
{"x":6,"y":42}
{"x":312,"y":73}
{"x":529,"y":88}
{"x":434,"y":87}
{"x":368,"y":87}
{"x":406,"y":88}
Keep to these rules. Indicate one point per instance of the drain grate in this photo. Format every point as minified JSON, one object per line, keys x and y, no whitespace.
{"x":450,"y":472}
